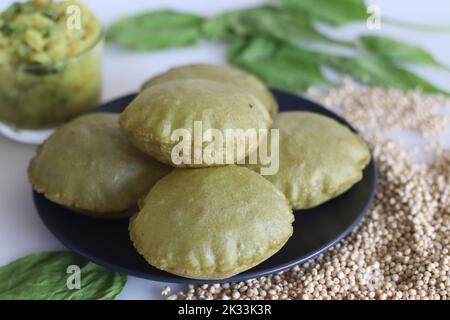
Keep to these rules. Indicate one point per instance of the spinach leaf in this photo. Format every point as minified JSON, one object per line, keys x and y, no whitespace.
{"x":222,"y":27}
{"x":278,"y":63}
{"x":156,"y":30}
{"x":267,"y":20}
{"x":43,"y":276}
{"x":375,"y":71}
{"x":397,"y":51}
{"x":330,"y":11}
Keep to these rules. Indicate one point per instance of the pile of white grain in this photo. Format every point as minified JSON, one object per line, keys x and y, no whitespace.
{"x":402,"y":248}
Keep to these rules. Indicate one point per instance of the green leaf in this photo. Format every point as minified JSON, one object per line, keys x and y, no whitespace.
{"x":397,"y":51}
{"x":278,"y":63}
{"x":221,"y":27}
{"x":375,"y":71}
{"x":334,"y":12}
{"x":156,"y":30}
{"x":43,"y":276}
{"x":267,"y":20}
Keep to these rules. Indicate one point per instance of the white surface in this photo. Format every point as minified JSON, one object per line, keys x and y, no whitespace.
{"x":21,"y":231}
{"x":25,"y":136}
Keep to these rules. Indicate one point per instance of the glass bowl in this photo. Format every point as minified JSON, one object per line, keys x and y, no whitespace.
{"x":36,"y":98}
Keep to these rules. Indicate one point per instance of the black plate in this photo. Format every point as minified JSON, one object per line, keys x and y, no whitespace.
{"x":315,"y":230}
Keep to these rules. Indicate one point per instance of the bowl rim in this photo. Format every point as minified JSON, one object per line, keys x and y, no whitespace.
{"x":63,"y":62}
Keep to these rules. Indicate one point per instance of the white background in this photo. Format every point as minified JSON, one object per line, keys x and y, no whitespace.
{"x":21,"y":231}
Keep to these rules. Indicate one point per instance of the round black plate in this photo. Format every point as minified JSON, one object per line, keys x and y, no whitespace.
{"x":106,"y":242}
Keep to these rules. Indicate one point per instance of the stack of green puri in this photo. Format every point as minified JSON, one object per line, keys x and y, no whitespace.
{"x":198,"y":219}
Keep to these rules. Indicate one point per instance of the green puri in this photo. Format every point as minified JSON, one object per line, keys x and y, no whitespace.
{"x":223,"y":74}
{"x":319,"y":159}
{"x":211,"y":223}
{"x":151,"y":118}
{"x":88,"y":165}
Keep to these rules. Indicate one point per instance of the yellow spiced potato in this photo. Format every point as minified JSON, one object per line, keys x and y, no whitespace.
{"x":150,"y":120}
{"x":211,"y":223}
{"x":89,"y":166}
{"x":223,"y":74}
{"x":319,"y":158}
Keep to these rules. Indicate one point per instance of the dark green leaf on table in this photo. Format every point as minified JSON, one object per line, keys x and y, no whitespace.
{"x":278,"y":63}
{"x":334,"y":12}
{"x":375,"y":71}
{"x":397,"y":51}
{"x":44,"y":276}
{"x":156,"y":30}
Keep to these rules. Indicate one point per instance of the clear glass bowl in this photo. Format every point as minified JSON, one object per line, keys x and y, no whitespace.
{"x":36,"y":98}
